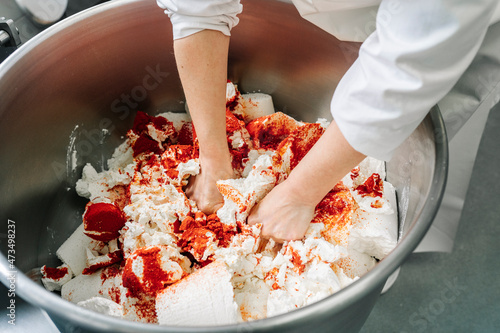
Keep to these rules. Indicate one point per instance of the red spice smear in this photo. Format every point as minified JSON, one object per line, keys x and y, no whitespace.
{"x":173,"y":156}
{"x":245,"y":229}
{"x":145,"y":144}
{"x":103,"y":221}
{"x":372,"y":187}
{"x":190,"y":223}
{"x":110,"y":272}
{"x":335,"y":268}
{"x":347,"y":265}
{"x":238,"y":155}
{"x":195,"y":241}
{"x":54,"y":273}
{"x":299,"y":142}
{"x":268,"y":131}
{"x":271,"y":275}
{"x":198,"y":231}
{"x":176,"y":154}
{"x":143,"y":307}
{"x":115,"y":294}
{"x":120,"y":195}
{"x":335,"y":203}
{"x":177,"y":226}
{"x":298,"y":266}
{"x":335,"y":211}
{"x":340,"y":187}
{"x":154,"y":278}
{"x":160,"y":123}
{"x":233,"y":124}
{"x":229,"y":191}
{"x":355,"y":173}
{"x":201,"y":218}
{"x":142,"y":120}
{"x":303,"y":139}
{"x":376,"y":204}
{"x":146,"y":168}
{"x":223,"y":232}
{"x":113,"y":258}
{"x":151,"y":162}
{"x":245,"y":314}
{"x":237,"y":158}
{"x":186,"y":134}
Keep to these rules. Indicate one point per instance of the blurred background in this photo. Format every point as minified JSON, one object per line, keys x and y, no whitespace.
{"x":434,"y":292}
{"x":30,"y":17}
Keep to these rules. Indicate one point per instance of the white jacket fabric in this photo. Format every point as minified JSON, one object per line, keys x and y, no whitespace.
{"x":191,"y":16}
{"x":413,"y":52}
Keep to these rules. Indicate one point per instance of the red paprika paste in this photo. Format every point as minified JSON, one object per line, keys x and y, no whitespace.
{"x":103,"y":221}
{"x":372,"y":187}
{"x":54,"y":273}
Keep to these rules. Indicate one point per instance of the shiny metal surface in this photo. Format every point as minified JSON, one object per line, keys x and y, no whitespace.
{"x":9,"y":34}
{"x":78,"y":84}
{"x":4,"y":37}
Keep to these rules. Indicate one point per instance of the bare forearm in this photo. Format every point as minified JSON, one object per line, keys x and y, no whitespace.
{"x":330,"y":159}
{"x":287,"y":210}
{"x":202,"y":64}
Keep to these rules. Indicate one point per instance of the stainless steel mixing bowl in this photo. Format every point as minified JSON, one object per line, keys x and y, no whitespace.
{"x":76,"y":86}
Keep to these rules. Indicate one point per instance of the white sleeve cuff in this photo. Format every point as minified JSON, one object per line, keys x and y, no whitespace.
{"x":191,"y":16}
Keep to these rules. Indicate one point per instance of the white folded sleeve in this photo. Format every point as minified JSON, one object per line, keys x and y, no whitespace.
{"x":191,"y":16}
{"x":406,"y":66}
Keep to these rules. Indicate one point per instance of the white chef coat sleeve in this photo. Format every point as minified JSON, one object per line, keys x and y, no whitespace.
{"x":191,"y":16}
{"x":406,"y":66}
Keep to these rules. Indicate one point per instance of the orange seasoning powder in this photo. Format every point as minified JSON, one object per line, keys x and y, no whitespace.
{"x":154,"y":278}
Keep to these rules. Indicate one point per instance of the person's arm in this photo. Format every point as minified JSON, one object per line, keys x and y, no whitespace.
{"x":202,"y":64}
{"x":404,"y":68}
{"x":287,"y":210}
{"x":201,"y":32}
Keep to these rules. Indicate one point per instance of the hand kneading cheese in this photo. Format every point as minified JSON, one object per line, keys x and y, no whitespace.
{"x":146,"y":253}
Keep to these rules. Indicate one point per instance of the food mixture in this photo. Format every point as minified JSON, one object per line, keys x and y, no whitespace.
{"x":146,"y":253}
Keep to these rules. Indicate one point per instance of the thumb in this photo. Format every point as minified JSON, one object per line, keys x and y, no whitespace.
{"x":253,"y":217}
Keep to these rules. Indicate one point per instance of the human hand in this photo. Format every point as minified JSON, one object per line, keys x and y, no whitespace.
{"x":283,"y":215}
{"x":203,"y":190}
